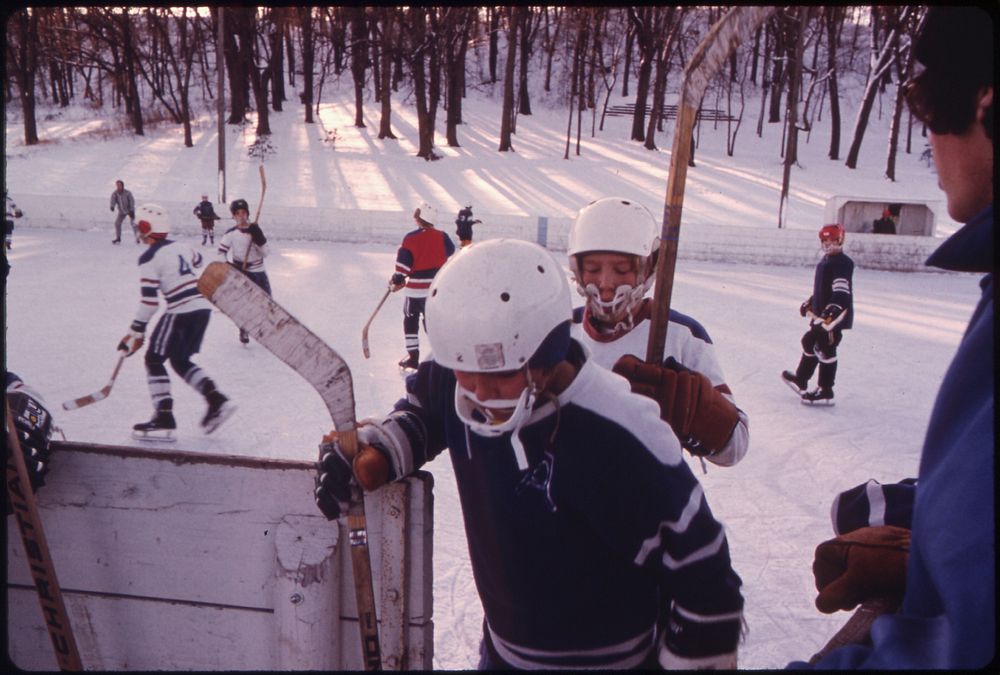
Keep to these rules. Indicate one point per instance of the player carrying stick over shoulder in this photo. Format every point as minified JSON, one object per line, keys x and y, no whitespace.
{"x":167,"y":267}
{"x":244,"y":246}
{"x":612,"y":248}
{"x":592,"y":543}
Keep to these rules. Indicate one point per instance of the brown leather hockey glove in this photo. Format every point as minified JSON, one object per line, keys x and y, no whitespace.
{"x":869,"y":562}
{"x":701,"y":416}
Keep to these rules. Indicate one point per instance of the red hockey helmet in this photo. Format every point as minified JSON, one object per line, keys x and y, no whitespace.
{"x":831,"y":237}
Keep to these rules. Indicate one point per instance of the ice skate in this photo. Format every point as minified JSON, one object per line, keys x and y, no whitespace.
{"x":818,"y":396}
{"x":788,"y":377}
{"x":408,"y":364}
{"x":220,"y":409}
{"x":159,"y":429}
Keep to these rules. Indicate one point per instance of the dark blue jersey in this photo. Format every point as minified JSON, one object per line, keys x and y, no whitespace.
{"x":834,"y":285}
{"x":578,"y":557}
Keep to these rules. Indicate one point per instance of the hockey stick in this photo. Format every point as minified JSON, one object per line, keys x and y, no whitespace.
{"x":254,"y":311}
{"x":36,"y":550}
{"x":364,"y":331}
{"x":256,"y":217}
{"x":734,"y":27}
{"x":857,"y":630}
{"x":98,"y":395}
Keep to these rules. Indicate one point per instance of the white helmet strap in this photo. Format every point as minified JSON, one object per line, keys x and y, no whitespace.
{"x":496,"y":417}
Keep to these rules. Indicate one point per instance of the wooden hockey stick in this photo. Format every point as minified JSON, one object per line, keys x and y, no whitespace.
{"x":364,"y":331}
{"x":857,"y":630}
{"x":256,"y":217}
{"x":98,"y":395}
{"x":36,"y":550}
{"x":729,"y":31}
{"x":254,"y":311}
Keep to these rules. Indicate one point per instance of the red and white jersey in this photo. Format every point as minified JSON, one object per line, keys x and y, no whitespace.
{"x":690,"y":345}
{"x":169,"y":268}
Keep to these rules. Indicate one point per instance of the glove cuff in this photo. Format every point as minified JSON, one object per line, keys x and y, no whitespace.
{"x":395,"y":436}
{"x":137,"y":329}
{"x":700,"y":641}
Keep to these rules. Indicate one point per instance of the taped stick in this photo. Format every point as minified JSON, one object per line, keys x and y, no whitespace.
{"x":36,"y":550}
{"x":98,"y":395}
{"x":256,"y":217}
{"x":858,"y":628}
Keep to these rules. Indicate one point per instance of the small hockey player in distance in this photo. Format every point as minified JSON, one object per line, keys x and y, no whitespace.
{"x":168,"y":267}
{"x":592,"y":543}
{"x":205,"y":212}
{"x":244,"y":246}
{"x":420,"y":256}
{"x":831,"y":311}
{"x":123,"y":200}
{"x":612,"y":250}
{"x":464,"y":223}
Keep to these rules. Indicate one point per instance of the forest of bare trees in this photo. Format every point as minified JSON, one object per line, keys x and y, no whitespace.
{"x":158,"y":64}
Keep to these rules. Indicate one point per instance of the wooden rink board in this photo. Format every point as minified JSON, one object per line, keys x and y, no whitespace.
{"x":172,"y":560}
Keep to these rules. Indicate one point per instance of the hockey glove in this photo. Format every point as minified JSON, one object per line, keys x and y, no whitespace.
{"x":397,"y":282}
{"x":805,"y":306}
{"x":383,"y":455}
{"x":695,"y":642}
{"x":132,"y":342}
{"x":867,"y":563}
{"x":701,"y":416}
{"x":256,"y":234}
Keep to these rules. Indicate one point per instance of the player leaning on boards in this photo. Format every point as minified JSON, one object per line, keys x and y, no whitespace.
{"x":244,"y":246}
{"x":592,"y":543}
{"x":167,"y":267}
{"x":420,"y":256}
{"x":612,"y":254}
{"x":831,"y":311}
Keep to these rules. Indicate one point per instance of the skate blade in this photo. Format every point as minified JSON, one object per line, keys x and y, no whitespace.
{"x":794,"y":387}
{"x":160,"y":436}
{"x":225,"y":412}
{"x":822,"y":402}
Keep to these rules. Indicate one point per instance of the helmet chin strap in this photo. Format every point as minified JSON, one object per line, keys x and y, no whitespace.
{"x":626,"y":300}
{"x":492,"y":424}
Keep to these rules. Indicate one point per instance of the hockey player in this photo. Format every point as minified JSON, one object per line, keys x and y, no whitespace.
{"x":420,"y":256}
{"x":10,"y":213}
{"x":464,"y":224}
{"x":205,"y":212}
{"x":123,"y":200}
{"x":244,"y":246}
{"x":947,"y":619}
{"x":592,"y":543}
{"x":612,"y":249}
{"x":831,"y":311}
{"x":168,"y":267}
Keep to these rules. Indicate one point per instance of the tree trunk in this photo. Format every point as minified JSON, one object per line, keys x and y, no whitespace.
{"x":133,"y":89}
{"x":385,"y":96}
{"x":834,"y":19}
{"x":308,"y":61}
{"x":794,"y":73}
{"x":425,"y":125}
{"x":883,"y":60}
{"x":359,"y":61}
{"x":25,"y":61}
{"x":524,"y":103}
{"x":494,"y":36}
{"x":507,"y":113}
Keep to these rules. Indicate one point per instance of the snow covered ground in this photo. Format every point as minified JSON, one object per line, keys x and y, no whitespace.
{"x":71,"y":295}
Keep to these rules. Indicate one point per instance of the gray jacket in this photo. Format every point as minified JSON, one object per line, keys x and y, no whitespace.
{"x":124,"y":201}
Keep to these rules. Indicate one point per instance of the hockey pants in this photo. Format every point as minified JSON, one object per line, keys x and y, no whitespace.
{"x":819,"y":347}
{"x":413,"y":312}
{"x":176,"y":338}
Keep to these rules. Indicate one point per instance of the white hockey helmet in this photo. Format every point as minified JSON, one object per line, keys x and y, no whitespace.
{"x":493,"y":305}
{"x":153,"y":221}
{"x":426,"y":213}
{"x":615,"y":225}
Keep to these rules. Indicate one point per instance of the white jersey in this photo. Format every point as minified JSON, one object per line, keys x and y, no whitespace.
{"x":236,"y":244}
{"x":690,"y":345}
{"x":168,"y":267}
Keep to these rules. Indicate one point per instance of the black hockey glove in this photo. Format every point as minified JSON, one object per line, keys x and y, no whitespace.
{"x":397,"y":282}
{"x":132,"y":342}
{"x":831,"y":312}
{"x":805,"y":306}
{"x":338,"y":476}
{"x":33,"y":425}
{"x":692,"y":642}
{"x":256,"y":234}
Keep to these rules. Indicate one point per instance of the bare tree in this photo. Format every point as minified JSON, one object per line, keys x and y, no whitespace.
{"x":507,"y":111}
{"x":22,"y":58}
{"x":833,"y":18}
{"x":669,"y":23}
{"x":359,"y":60}
{"x":457,"y":24}
{"x":308,"y":47}
{"x":422,"y":46}
{"x":797,"y":19}
{"x":904,"y":63}
{"x":388,"y":48}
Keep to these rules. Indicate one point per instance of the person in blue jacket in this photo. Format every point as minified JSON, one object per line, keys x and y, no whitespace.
{"x":947,"y":615}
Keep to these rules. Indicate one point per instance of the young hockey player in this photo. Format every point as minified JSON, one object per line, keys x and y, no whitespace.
{"x":123,"y":200}
{"x":420,"y":256}
{"x":592,"y":543}
{"x":464,"y":223}
{"x":831,"y":311}
{"x":947,"y":619}
{"x":168,"y":267}
{"x":244,"y":246}
{"x":205,"y":212}
{"x":612,"y":254}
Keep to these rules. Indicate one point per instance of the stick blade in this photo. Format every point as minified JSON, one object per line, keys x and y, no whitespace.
{"x":87,"y":400}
